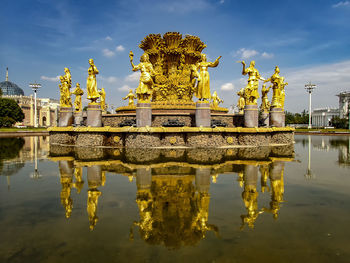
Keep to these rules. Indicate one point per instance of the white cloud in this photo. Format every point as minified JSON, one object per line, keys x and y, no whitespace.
{"x":227,"y":87}
{"x":108,"y":53}
{"x":124,"y":88}
{"x":108,"y":38}
{"x":246,"y":53}
{"x":341,"y":4}
{"x":53,"y":79}
{"x":109,"y":80}
{"x":267,"y":55}
{"x":120,"y":48}
{"x":221,"y":2}
{"x":331,"y":79}
{"x":133,"y":77}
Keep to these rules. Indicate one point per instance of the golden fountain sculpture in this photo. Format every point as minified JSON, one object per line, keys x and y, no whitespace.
{"x":278,"y":85}
{"x":66,"y":84}
{"x":170,"y":68}
{"x":130,"y":97}
{"x":78,"y":92}
{"x":251,"y":93}
{"x":91,"y":83}
{"x":103,"y":100}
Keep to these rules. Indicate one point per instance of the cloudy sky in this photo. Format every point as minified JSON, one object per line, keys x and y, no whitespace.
{"x":308,"y":40}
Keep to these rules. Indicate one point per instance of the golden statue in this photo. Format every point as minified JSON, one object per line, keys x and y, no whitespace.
{"x":203,"y":85}
{"x":91,"y":83}
{"x":78,"y":92}
{"x":278,"y":89}
{"x":130,"y":97}
{"x":251,"y":93}
{"x":145,"y":88}
{"x":68,"y":77}
{"x":65,"y":99}
{"x":103,"y":99}
{"x":265,"y":104}
{"x":241,"y":101}
{"x":216,"y":100}
{"x":93,"y":195}
{"x":283,"y":93}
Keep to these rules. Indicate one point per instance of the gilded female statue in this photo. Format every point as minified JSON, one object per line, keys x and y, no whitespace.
{"x":216,"y":99}
{"x":265,"y":104}
{"x":68,"y":77}
{"x":91,"y":83}
{"x":241,"y":101}
{"x":130,"y":97}
{"x":251,"y":93}
{"x":65,"y":100}
{"x":103,"y":99}
{"x":203,"y":86}
{"x":78,"y":92}
{"x":145,"y":88}
{"x":276,"y":81}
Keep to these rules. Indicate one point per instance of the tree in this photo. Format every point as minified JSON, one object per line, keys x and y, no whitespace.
{"x":339,"y":123}
{"x":10,"y":112}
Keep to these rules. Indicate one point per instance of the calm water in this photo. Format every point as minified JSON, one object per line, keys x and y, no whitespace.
{"x":236,"y":205}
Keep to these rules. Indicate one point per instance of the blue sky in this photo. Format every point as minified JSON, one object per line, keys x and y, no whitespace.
{"x":308,"y":40}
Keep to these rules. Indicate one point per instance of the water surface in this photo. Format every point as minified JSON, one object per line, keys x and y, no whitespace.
{"x":234,"y":205}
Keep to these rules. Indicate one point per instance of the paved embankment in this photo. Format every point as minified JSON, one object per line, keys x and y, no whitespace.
{"x":323,"y":133}
{"x":23,"y":133}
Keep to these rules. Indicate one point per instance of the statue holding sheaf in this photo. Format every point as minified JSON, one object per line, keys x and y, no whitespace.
{"x":251,"y":93}
{"x":278,"y":85}
{"x":145,"y":88}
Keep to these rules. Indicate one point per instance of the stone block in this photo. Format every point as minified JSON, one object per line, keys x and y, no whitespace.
{"x":94,"y":115}
{"x":143,"y":114}
{"x":203,"y":117}
{"x":66,"y":117}
{"x":276,"y":117}
{"x":251,"y":116}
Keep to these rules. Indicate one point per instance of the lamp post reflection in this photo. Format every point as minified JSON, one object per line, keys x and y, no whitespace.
{"x":35,"y":174}
{"x":309,"y":174}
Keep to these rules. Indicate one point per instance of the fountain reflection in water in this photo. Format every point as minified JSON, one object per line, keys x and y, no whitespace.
{"x":173,"y":186}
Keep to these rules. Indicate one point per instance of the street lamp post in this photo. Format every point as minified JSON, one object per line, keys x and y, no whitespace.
{"x":309,"y":88}
{"x":35,"y":87}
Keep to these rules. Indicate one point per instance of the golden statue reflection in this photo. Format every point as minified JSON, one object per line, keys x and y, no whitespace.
{"x":173,"y":211}
{"x":91,"y":83}
{"x":145,"y":88}
{"x":66,"y":179}
{"x":203,"y":86}
{"x":92,"y":201}
{"x":79,"y":182}
{"x":130,"y":97}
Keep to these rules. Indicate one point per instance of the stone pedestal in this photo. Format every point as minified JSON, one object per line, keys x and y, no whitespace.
{"x":94,"y":115}
{"x":66,"y":117}
{"x":203,"y":117}
{"x":78,"y":118}
{"x":143,"y":114}
{"x":251,"y":116}
{"x":277,"y":117}
{"x":264,"y":119}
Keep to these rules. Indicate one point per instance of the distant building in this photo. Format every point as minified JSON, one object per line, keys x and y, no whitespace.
{"x":322,"y":117}
{"x":344,"y":103}
{"x":47,"y":109}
